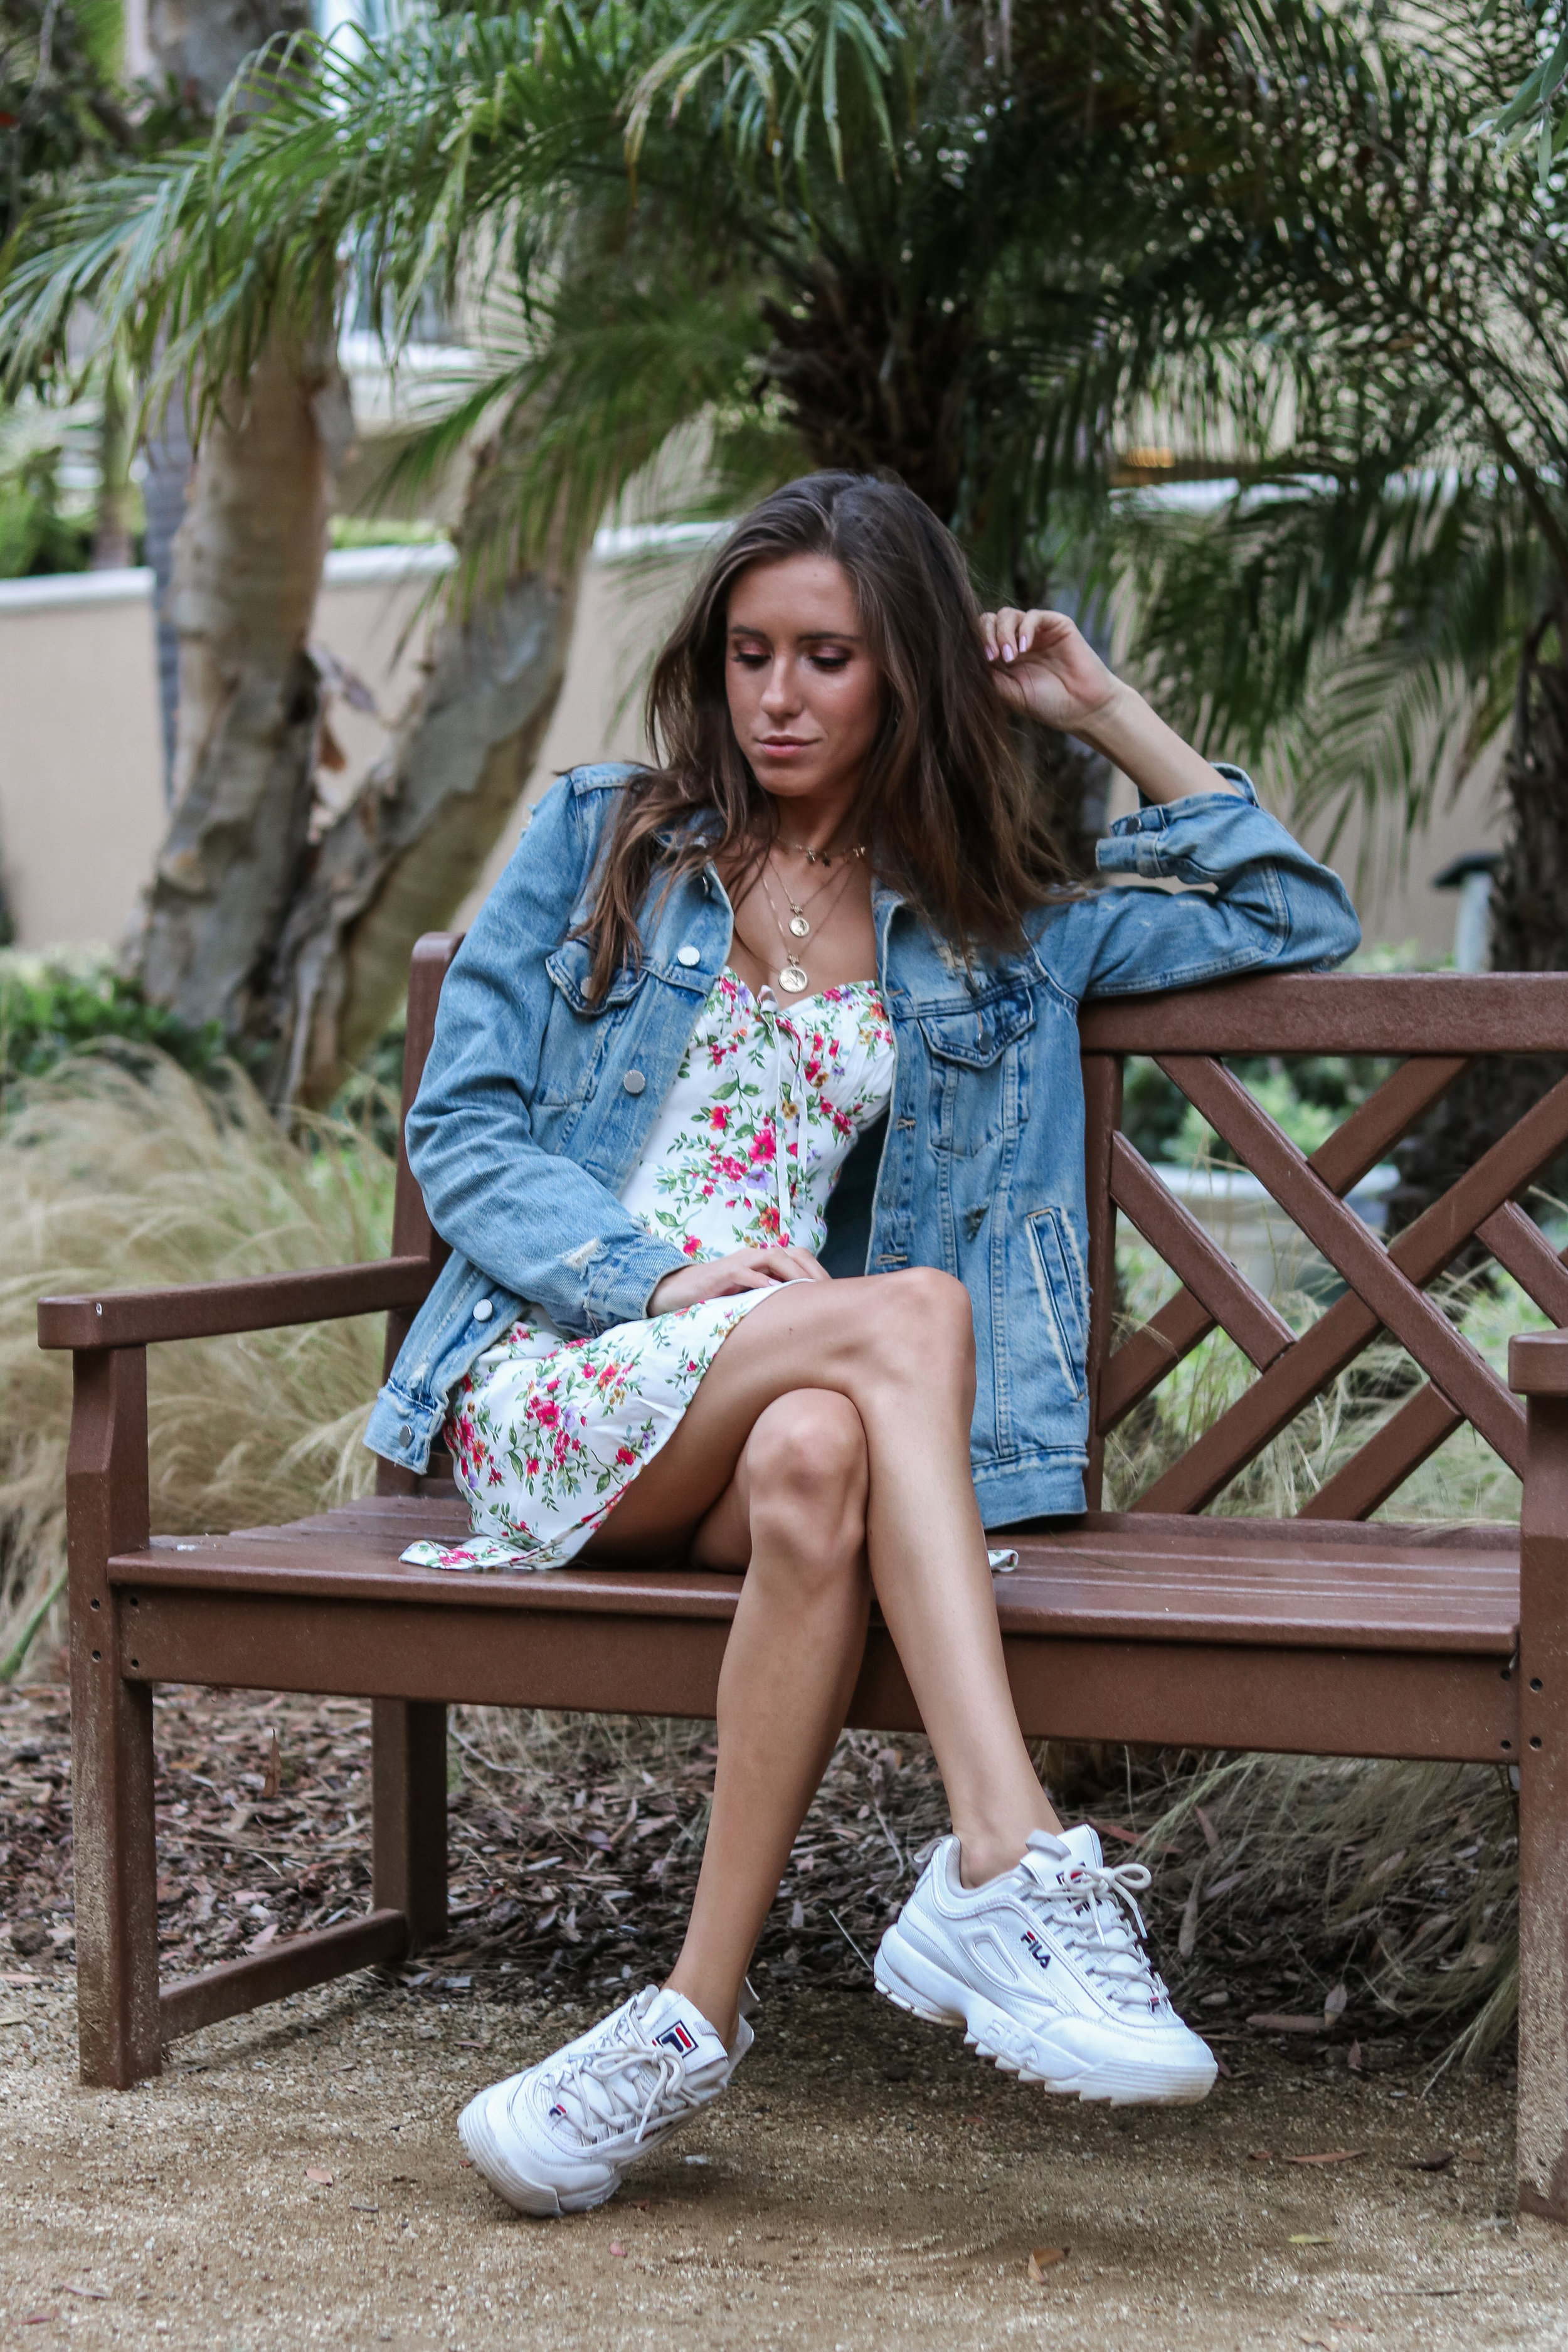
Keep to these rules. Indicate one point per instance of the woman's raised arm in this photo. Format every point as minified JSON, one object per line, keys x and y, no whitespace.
{"x":1047,"y":667}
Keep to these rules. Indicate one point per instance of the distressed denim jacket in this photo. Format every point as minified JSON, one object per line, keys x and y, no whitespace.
{"x":537,"y":1100}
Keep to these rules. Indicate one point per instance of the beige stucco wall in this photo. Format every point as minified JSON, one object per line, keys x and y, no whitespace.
{"x":81,"y":805}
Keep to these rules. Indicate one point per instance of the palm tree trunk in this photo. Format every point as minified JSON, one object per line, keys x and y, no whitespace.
{"x":1529,"y":925}
{"x":247,"y":564}
{"x":410,"y":845}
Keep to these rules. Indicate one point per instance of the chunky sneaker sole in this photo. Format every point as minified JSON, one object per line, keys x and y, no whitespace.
{"x":493,"y":2151}
{"x":1085,"y":2047}
{"x":1038,"y":2054}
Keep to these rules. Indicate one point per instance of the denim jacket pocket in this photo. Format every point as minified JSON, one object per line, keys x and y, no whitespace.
{"x":569,"y":966}
{"x":978,"y":1072}
{"x":1057,"y":1268}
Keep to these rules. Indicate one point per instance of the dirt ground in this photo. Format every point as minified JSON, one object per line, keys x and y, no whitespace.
{"x":294,"y":2178}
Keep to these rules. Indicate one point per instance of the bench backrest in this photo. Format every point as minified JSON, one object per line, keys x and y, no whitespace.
{"x":1432,"y":1026}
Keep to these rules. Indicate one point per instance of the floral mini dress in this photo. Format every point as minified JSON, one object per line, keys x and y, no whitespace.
{"x":547,"y":1433}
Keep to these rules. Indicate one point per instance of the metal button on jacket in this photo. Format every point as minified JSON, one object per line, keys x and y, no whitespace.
{"x":405,"y":1435}
{"x":483,"y":1311}
{"x":687,"y":955}
{"x":633,"y":1082}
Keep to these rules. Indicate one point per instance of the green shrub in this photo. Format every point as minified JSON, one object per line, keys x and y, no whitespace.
{"x":49,"y":1009}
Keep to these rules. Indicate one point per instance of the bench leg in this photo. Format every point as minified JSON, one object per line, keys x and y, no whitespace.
{"x":114,"y":1846}
{"x":408,"y":1826}
{"x":1542,"y":1678}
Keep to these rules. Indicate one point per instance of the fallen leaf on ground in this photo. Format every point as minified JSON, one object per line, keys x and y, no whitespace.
{"x":1261,"y":2156}
{"x":1437,"y":2159}
{"x":1265,"y":2021}
{"x":363,"y":2208}
{"x":98,"y":2293}
{"x":1353,"y":2057}
{"x":1044,"y":2258}
{"x":972,"y":2119}
{"x":1310,"y":2237}
{"x":616,"y":2247}
{"x":314,"y":2172}
{"x":1472,"y":2156}
{"x":1115,"y":1830}
{"x":1336,"y":2002}
{"x":1330,"y":2155}
{"x":40,"y":2318}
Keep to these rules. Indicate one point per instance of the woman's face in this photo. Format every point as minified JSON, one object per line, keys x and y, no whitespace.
{"x":805,"y":697}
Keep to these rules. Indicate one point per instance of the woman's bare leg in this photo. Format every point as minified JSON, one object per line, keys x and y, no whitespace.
{"x":794,"y":1517}
{"x":900,"y":1348}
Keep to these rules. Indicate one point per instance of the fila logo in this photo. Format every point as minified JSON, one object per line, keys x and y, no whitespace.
{"x":1036,"y":1950}
{"x":677,"y":2038}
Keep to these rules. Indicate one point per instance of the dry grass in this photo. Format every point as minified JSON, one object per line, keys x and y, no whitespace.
{"x":119,"y":1170}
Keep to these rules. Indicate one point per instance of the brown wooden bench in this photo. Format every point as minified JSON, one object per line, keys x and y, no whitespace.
{"x":1320,"y":1635}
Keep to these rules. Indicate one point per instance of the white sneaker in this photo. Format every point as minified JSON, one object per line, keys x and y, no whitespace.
{"x":1044,"y":1969}
{"x":557,"y":2138}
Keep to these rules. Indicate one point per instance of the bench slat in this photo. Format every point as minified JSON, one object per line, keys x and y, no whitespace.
{"x":1248,"y":1582}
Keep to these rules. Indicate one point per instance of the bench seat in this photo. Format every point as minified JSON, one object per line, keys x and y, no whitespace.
{"x":1359,"y":1640}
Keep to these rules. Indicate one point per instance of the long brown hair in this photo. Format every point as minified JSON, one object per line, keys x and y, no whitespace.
{"x":946,"y":801}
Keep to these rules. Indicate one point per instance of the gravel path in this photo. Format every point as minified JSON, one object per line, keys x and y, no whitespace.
{"x":294,"y":2178}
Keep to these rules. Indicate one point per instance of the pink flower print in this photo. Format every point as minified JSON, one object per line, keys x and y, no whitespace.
{"x":547,"y":1414}
{"x":719,"y":1117}
{"x":532,"y":1464}
{"x":625,"y":1456}
{"x":763,"y":1144}
{"x":691,"y":1247}
{"x":494,"y":1476}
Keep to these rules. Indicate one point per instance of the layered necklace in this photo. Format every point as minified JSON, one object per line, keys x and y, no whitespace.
{"x":793,"y":977}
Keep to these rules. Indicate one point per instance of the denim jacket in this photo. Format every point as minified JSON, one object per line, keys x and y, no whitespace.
{"x":537,"y":1100}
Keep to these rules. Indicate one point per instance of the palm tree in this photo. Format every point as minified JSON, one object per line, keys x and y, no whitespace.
{"x":803,"y":231}
{"x":1388,"y":588}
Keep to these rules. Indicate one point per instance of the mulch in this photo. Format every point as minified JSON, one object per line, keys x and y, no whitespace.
{"x":574,"y":1849}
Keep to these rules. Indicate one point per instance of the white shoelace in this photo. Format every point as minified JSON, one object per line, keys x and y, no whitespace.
{"x":1095,"y":1914}
{"x":588,"y":2091}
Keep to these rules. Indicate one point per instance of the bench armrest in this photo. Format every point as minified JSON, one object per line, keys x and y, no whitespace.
{"x":208,"y":1310}
{"x":1538,"y":1363}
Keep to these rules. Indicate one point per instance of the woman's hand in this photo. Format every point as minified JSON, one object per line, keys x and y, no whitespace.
{"x":1043,"y":665}
{"x":726,"y":1277}
{"x":1046,"y":666}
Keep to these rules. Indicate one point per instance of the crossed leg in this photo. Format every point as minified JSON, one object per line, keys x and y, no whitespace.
{"x":827,"y":1453}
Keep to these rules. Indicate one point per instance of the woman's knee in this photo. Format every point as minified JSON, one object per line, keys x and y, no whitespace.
{"x":806,"y":1479}
{"x":919,"y":1319}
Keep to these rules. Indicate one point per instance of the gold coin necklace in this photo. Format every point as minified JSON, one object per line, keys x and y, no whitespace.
{"x":794,"y":978}
{"x":800,"y":928}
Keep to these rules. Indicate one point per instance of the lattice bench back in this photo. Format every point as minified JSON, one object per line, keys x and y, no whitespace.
{"x":1437,"y":1024}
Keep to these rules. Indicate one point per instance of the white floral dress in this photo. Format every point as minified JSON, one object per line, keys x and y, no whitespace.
{"x":548,"y":1432}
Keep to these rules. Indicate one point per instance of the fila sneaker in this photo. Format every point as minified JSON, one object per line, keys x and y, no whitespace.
{"x":1044,"y":1970}
{"x":557,"y":2138}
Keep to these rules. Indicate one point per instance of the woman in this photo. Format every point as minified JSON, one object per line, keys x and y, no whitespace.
{"x":692,"y":989}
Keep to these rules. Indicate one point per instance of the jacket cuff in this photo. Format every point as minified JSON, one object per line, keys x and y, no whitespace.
{"x":1137,"y":844}
{"x":621,"y":1277}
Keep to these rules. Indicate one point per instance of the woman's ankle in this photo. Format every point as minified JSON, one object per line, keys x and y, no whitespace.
{"x":721,"y":2009}
{"x":988,"y":1853}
